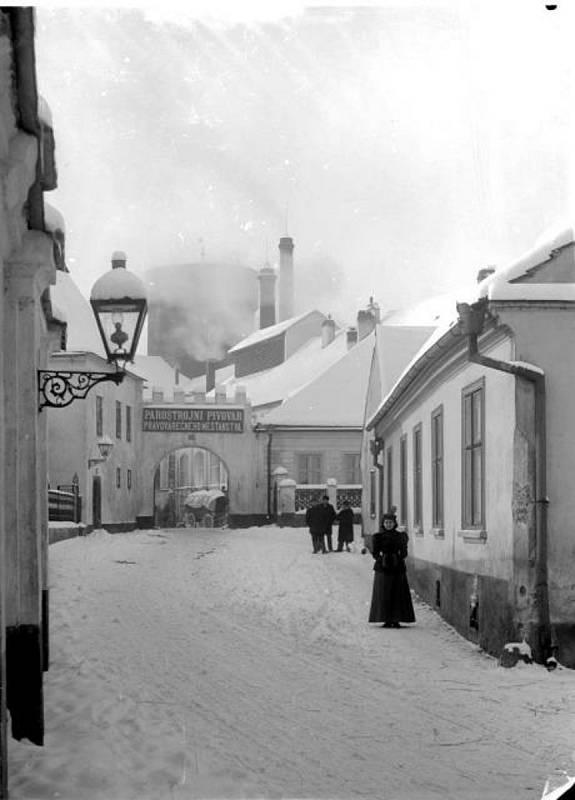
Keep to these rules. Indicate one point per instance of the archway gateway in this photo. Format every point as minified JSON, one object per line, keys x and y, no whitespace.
{"x":225,"y":430}
{"x":191,"y":489}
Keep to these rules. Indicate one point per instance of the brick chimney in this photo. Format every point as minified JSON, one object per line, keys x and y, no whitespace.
{"x":267,"y":279}
{"x":210,"y":375}
{"x":351,"y":337}
{"x":375,"y":310}
{"x":327,"y":331}
{"x":286,"y":285}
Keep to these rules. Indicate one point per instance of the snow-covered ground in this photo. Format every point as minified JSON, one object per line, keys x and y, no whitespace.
{"x":230,"y":664}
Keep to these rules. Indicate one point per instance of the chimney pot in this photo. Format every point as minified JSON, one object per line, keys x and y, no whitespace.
{"x":327,"y":331}
{"x":118,"y":259}
{"x":484,"y":272}
{"x":366,"y":322}
{"x":351,"y":337}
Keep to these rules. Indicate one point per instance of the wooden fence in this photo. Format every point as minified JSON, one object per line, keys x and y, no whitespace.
{"x":64,"y":506}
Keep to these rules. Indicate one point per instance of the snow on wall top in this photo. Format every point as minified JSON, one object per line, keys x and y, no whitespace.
{"x":268,"y":333}
{"x":53,"y":219}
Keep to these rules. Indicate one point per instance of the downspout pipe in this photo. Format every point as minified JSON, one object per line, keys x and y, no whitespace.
{"x":471,"y":320}
{"x":269,"y":460}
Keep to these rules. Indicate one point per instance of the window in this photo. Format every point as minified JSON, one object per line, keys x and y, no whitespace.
{"x":128,"y":423}
{"x":437,"y":467}
{"x":351,"y":468}
{"x":389,"y":476}
{"x":99,"y":415}
{"x":118,"y":477}
{"x":417,"y":479}
{"x":309,"y":468}
{"x":129,"y":479}
{"x":472,"y":455}
{"x":403,"y":480}
{"x":118,"y":420}
{"x":372,"y":490}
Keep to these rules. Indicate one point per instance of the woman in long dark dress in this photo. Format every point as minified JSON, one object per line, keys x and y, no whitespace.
{"x":391,"y":598}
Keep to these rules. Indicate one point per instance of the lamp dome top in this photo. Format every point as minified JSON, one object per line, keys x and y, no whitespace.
{"x":118,"y":284}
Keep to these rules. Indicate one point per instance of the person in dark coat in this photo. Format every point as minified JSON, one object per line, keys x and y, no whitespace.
{"x":391,"y":598}
{"x":345,"y":531}
{"x":327,"y":518}
{"x":314,"y":521}
{"x":319,"y":519}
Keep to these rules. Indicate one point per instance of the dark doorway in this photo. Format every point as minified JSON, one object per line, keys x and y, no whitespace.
{"x":97,"y":502}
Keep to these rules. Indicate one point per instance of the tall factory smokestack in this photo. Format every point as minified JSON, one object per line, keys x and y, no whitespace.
{"x":267,"y":278}
{"x":286,"y":289}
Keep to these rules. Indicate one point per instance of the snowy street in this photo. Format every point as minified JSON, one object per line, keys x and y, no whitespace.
{"x":227,"y":664}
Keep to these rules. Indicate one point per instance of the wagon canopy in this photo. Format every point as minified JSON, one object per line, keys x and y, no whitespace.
{"x":203,"y":498}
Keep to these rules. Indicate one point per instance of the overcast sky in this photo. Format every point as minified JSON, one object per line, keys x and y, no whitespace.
{"x":402,"y":145}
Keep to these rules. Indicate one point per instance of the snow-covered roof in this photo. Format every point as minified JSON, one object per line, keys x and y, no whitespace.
{"x":82,"y":331}
{"x":270,"y":387}
{"x":513,"y":282}
{"x":428,"y":312}
{"x":502,"y":285}
{"x":336,"y":397}
{"x":263,"y":334}
{"x":395,"y":346}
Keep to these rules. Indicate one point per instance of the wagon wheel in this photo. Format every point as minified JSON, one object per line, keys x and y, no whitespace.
{"x":209,"y":521}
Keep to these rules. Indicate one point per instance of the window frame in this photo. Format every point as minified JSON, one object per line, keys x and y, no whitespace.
{"x":300,"y":460}
{"x":470,"y":520}
{"x":118,"y":419}
{"x":389,"y":476}
{"x":99,"y":415}
{"x":403,"y":480}
{"x":437,"y":470}
{"x":118,"y":477}
{"x":417,"y":472}
{"x":128,"y":423}
{"x":351,"y":469}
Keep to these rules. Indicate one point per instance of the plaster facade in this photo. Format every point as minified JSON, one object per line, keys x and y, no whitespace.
{"x":110,"y":489}
{"x":27,"y":323}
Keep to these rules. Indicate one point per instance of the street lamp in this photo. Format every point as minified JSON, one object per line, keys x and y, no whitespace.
{"x":105,"y":446}
{"x":118,"y":300}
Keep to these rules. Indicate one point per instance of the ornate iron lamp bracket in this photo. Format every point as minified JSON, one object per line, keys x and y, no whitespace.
{"x":59,"y":389}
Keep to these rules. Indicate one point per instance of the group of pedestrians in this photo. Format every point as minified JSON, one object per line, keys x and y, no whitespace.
{"x":320,"y":519}
{"x":391,"y":602}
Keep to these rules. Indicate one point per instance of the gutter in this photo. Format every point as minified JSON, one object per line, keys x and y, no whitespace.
{"x":471,"y":321}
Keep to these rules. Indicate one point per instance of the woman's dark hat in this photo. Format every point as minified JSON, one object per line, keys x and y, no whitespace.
{"x":389,"y":515}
